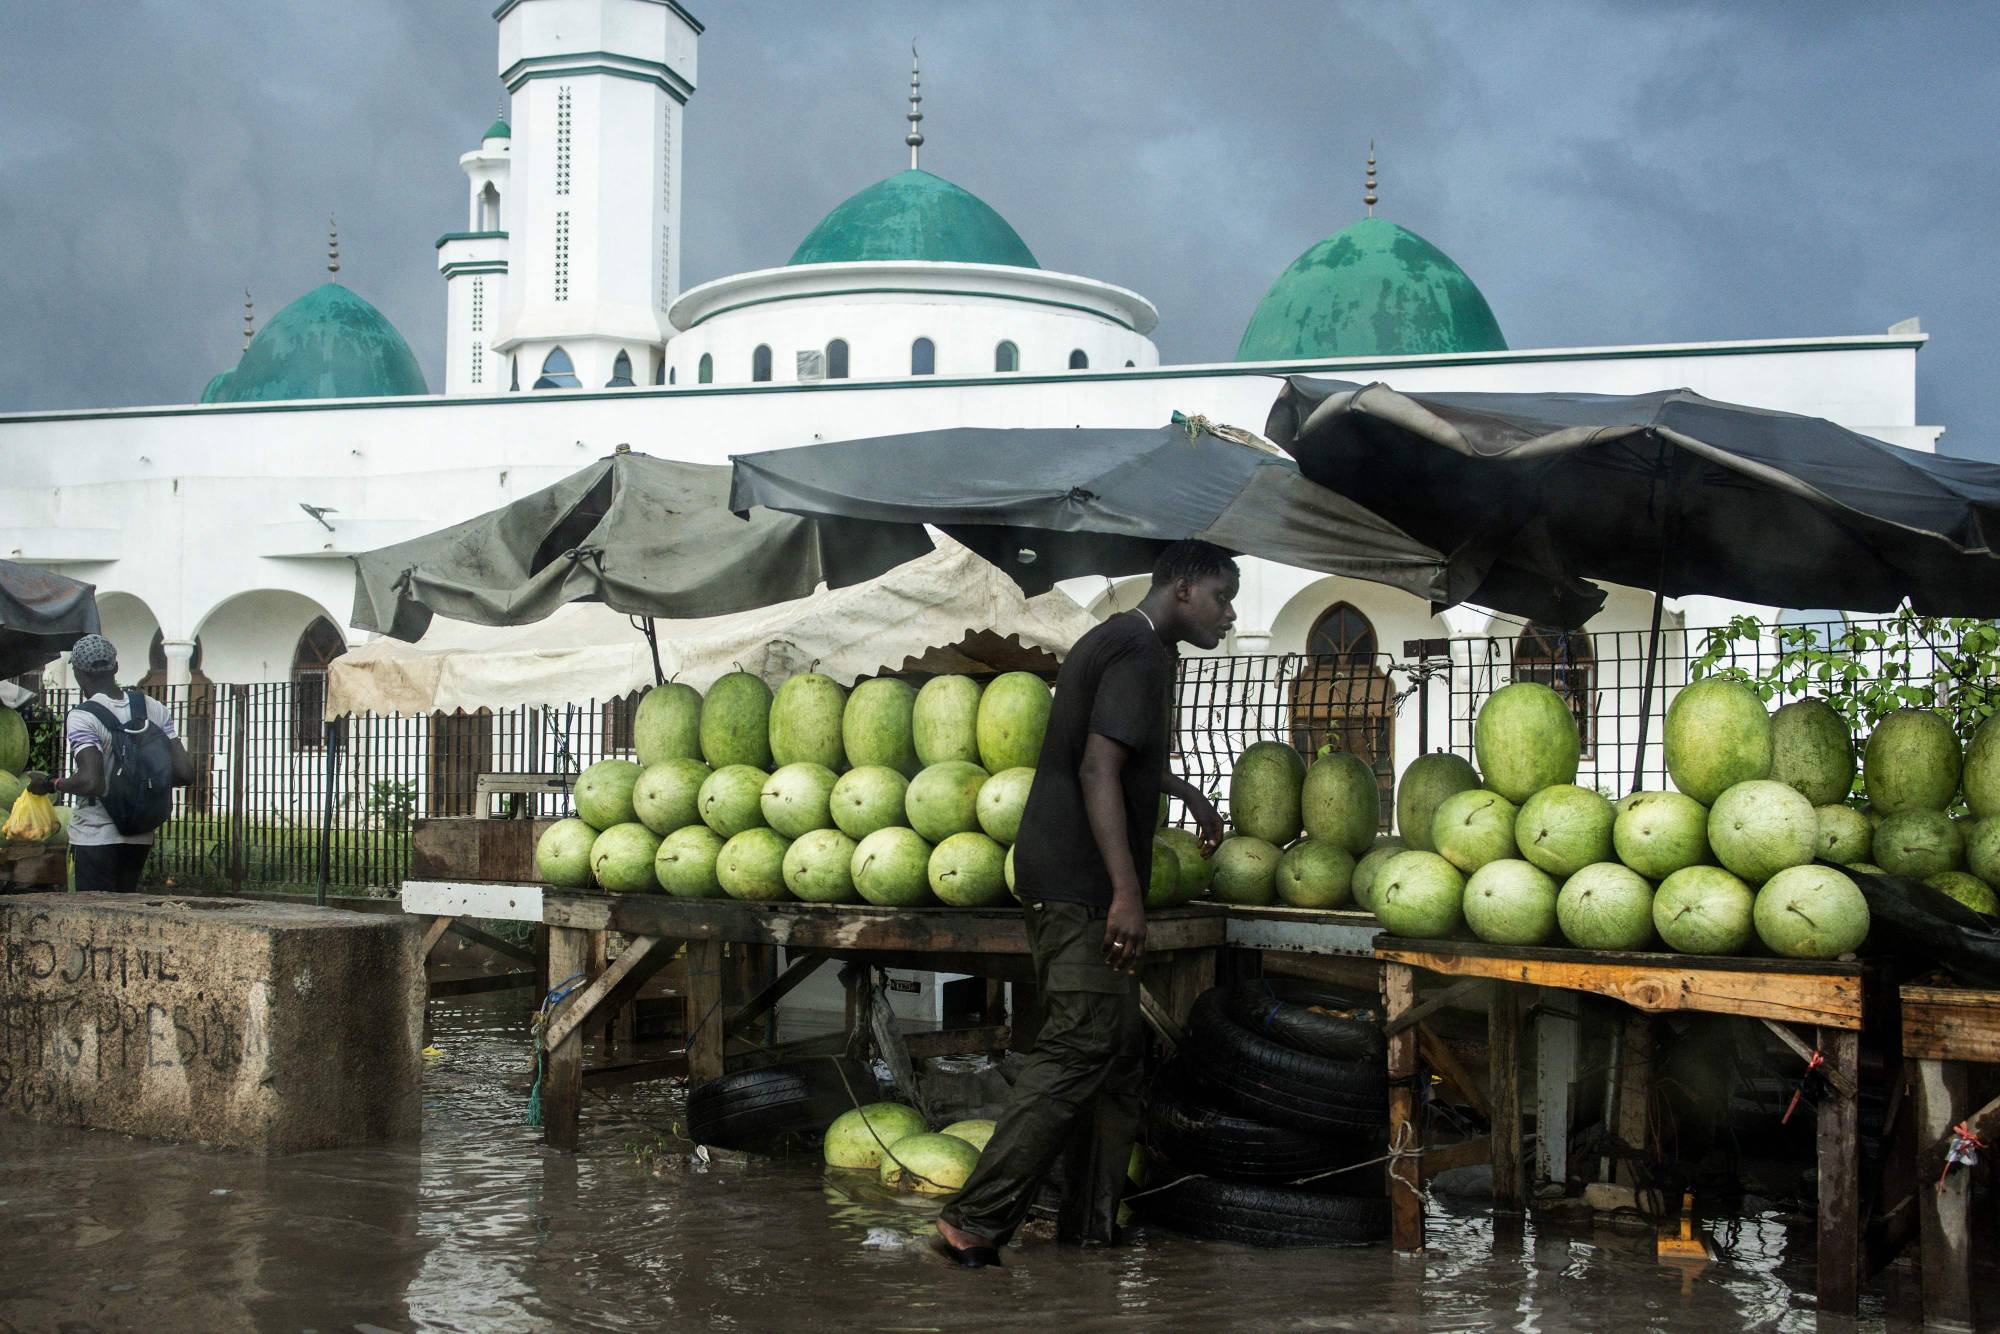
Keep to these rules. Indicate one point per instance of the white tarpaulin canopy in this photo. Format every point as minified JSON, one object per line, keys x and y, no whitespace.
{"x":949,"y":611}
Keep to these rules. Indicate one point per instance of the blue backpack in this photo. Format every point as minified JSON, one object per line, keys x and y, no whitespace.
{"x":139,"y":771}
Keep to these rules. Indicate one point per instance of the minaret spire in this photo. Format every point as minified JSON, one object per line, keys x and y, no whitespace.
{"x":332,"y":246}
{"x":249,"y":327}
{"x":1369,"y":197}
{"x":915,"y":138}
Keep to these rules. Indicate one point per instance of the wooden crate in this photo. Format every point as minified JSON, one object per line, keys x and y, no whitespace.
{"x":468,"y":848}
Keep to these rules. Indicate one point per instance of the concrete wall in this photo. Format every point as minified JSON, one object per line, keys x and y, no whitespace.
{"x":269,"y":1027}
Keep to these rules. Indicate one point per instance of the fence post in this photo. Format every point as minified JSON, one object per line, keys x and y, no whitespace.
{"x":239,"y":782}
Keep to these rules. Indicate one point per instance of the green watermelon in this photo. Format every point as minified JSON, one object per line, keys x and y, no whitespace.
{"x":736,"y":722}
{"x":1526,"y":739}
{"x":1264,"y":791}
{"x":1426,"y":784}
{"x":1718,"y":734}
{"x":1812,"y":750}
{"x":1340,"y":803}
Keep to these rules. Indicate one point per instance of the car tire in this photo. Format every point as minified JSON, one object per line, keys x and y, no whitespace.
{"x":1192,"y":1136}
{"x":1257,"y":1215}
{"x":1255,"y":1077}
{"x":777,"y":1107}
{"x":1303,"y":1017}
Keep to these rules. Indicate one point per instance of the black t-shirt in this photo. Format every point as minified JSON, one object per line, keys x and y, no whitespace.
{"x":1117,"y":682}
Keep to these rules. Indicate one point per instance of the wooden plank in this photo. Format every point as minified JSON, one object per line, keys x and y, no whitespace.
{"x":1950,"y":1024}
{"x":635,"y":1072}
{"x":432,"y":935}
{"x":1828,"y":996}
{"x":801,"y":967}
{"x":1503,"y":1047}
{"x":704,"y":1034}
{"x":845,"y":927}
{"x":1161,"y":1019}
{"x":473,"y":898}
{"x":562,"y":1063}
{"x":583,"y":1007}
{"x":506,"y":949}
{"x":1406,"y":1200}
{"x":1436,"y":1053}
{"x":957,"y":1041}
{"x":1841,"y":1083}
{"x":1635,"y":1095}
{"x":1303,"y":931}
{"x":1944,"y":1210}
{"x":1457,"y":993}
{"x":476,"y":986}
{"x":1728,"y":963}
{"x":1839,"y":1181}
{"x":465,"y":848}
{"x":1465,"y":1153}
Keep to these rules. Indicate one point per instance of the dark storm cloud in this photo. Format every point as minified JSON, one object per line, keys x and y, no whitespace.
{"x":1607,"y":172}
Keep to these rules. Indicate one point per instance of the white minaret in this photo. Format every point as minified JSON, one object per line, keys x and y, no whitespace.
{"x":474,"y":265}
{"x":593,"y":230}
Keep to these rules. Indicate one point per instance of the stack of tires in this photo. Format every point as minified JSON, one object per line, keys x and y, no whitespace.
{"x":1278,"y":1082}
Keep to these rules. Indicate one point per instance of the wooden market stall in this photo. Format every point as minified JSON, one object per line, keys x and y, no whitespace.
{"x":1945,"y":1031}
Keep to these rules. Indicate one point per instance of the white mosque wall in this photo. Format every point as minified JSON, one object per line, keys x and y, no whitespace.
{"x":185,"y":508}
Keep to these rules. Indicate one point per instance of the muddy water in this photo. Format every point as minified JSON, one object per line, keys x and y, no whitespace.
{"x":480,"y":1228}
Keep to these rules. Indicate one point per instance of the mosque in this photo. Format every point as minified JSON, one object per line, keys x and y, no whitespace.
{"x":217,"y":531}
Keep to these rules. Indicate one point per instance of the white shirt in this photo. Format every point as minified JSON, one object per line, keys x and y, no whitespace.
{"x":89,"y":826}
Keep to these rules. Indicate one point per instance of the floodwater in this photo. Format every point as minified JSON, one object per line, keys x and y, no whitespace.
{"x":482,"y":1229}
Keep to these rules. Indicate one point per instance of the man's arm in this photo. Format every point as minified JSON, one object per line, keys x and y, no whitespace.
{"x":1100,"y":773}
{"x":183,"y":763}
{"x":84,"y":779}
{"x":1197,"y":801}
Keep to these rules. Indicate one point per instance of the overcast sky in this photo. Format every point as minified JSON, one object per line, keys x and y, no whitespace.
{"x":1606,"y":172}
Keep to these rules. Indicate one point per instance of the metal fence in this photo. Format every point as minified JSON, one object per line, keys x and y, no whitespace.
{"x":268,"y":770}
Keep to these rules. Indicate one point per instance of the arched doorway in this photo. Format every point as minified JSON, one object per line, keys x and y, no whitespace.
{"x":1564,"y":661}
{"x":1343,"y":698}
{"x":319,"y":644}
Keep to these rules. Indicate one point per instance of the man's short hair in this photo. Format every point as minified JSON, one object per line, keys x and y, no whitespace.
{"x":1191,"y":560}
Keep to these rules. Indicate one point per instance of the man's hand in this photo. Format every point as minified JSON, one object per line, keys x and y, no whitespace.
{"x":1125,"y":933}
{"x":38,"y":782}
{"x":1198,"y":804}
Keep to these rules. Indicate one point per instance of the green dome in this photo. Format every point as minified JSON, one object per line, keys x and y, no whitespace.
{"x":327,"y":344}
{"x":217,"y":386}
{"x":498,"y":130}
{"x":914,"y":215}
{"x":1374,"y":289}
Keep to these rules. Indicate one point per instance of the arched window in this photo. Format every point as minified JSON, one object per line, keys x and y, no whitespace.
{"x":489,"y":209}
{"x":621,"y":373}
{"x":705,"y":372}
{"x":760,"y":363}
{"x":923,"y":357}
{"x":660,"y":368}
{"x":1564,"y":661}
{"x":1128,"y":365}
{"x":514,"y":382}
{"x":321,"y":643}
{"x":1077,"y":360}
{"x":558,"y":372}
{"x":836,"y":359}
{"x":671,"y":374}
{"x":1006,"y":357}
{"x":1343,"y":698}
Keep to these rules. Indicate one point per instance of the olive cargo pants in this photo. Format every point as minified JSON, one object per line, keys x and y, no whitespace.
{"x":1078,"y":1096}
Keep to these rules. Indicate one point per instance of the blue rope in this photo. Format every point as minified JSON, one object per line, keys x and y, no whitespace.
{"x":556,"y":996}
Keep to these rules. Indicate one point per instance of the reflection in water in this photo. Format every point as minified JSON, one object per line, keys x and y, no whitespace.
{"x":481,"y":1228}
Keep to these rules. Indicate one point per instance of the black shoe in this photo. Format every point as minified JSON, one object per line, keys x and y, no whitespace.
{"x":967,"y":1257}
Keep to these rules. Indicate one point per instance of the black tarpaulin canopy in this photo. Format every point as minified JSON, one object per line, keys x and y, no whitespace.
{"x":1052,"y":503}
{"x":647,"y":536}
{"x":1666,"y":491}
{"x":41,"y":614}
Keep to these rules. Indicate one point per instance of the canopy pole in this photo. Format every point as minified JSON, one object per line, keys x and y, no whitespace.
{"x":332,"y":737}
{"x":653,"y":643}
{"x":1646,"y":691}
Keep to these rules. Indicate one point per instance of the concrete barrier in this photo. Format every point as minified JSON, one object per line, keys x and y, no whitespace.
{"x":265,"y":1026}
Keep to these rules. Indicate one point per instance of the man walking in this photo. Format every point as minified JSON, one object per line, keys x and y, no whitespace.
{"x":1081,"y":866}
{"x":120,"y":802}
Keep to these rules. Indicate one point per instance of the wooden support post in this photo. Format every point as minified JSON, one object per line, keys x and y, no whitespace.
{"x":705,"y":1016}
{"x":1839,"y":1179}
{"x":1635,"y":1097}
{"x":562,"y":1063}
{"x":801,"y":967}
{"x":1192,"y":973}
{"x":1503,"y":1055}
{"x":993,"y":1006}
{"x":582,"y":1007}
{"x":1406,"y":1201}
{"x":1557,"y":1024}
{"x":1944,"y":1215}
{"x":433,"y":934}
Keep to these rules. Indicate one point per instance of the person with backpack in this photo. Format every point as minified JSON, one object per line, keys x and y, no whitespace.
{"x":125,"y":762}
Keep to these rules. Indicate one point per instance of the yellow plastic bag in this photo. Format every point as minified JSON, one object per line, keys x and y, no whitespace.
{"x":33,"y":820}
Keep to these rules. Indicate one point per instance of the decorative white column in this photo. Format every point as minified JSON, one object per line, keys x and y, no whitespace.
{"x":180,"y":661}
